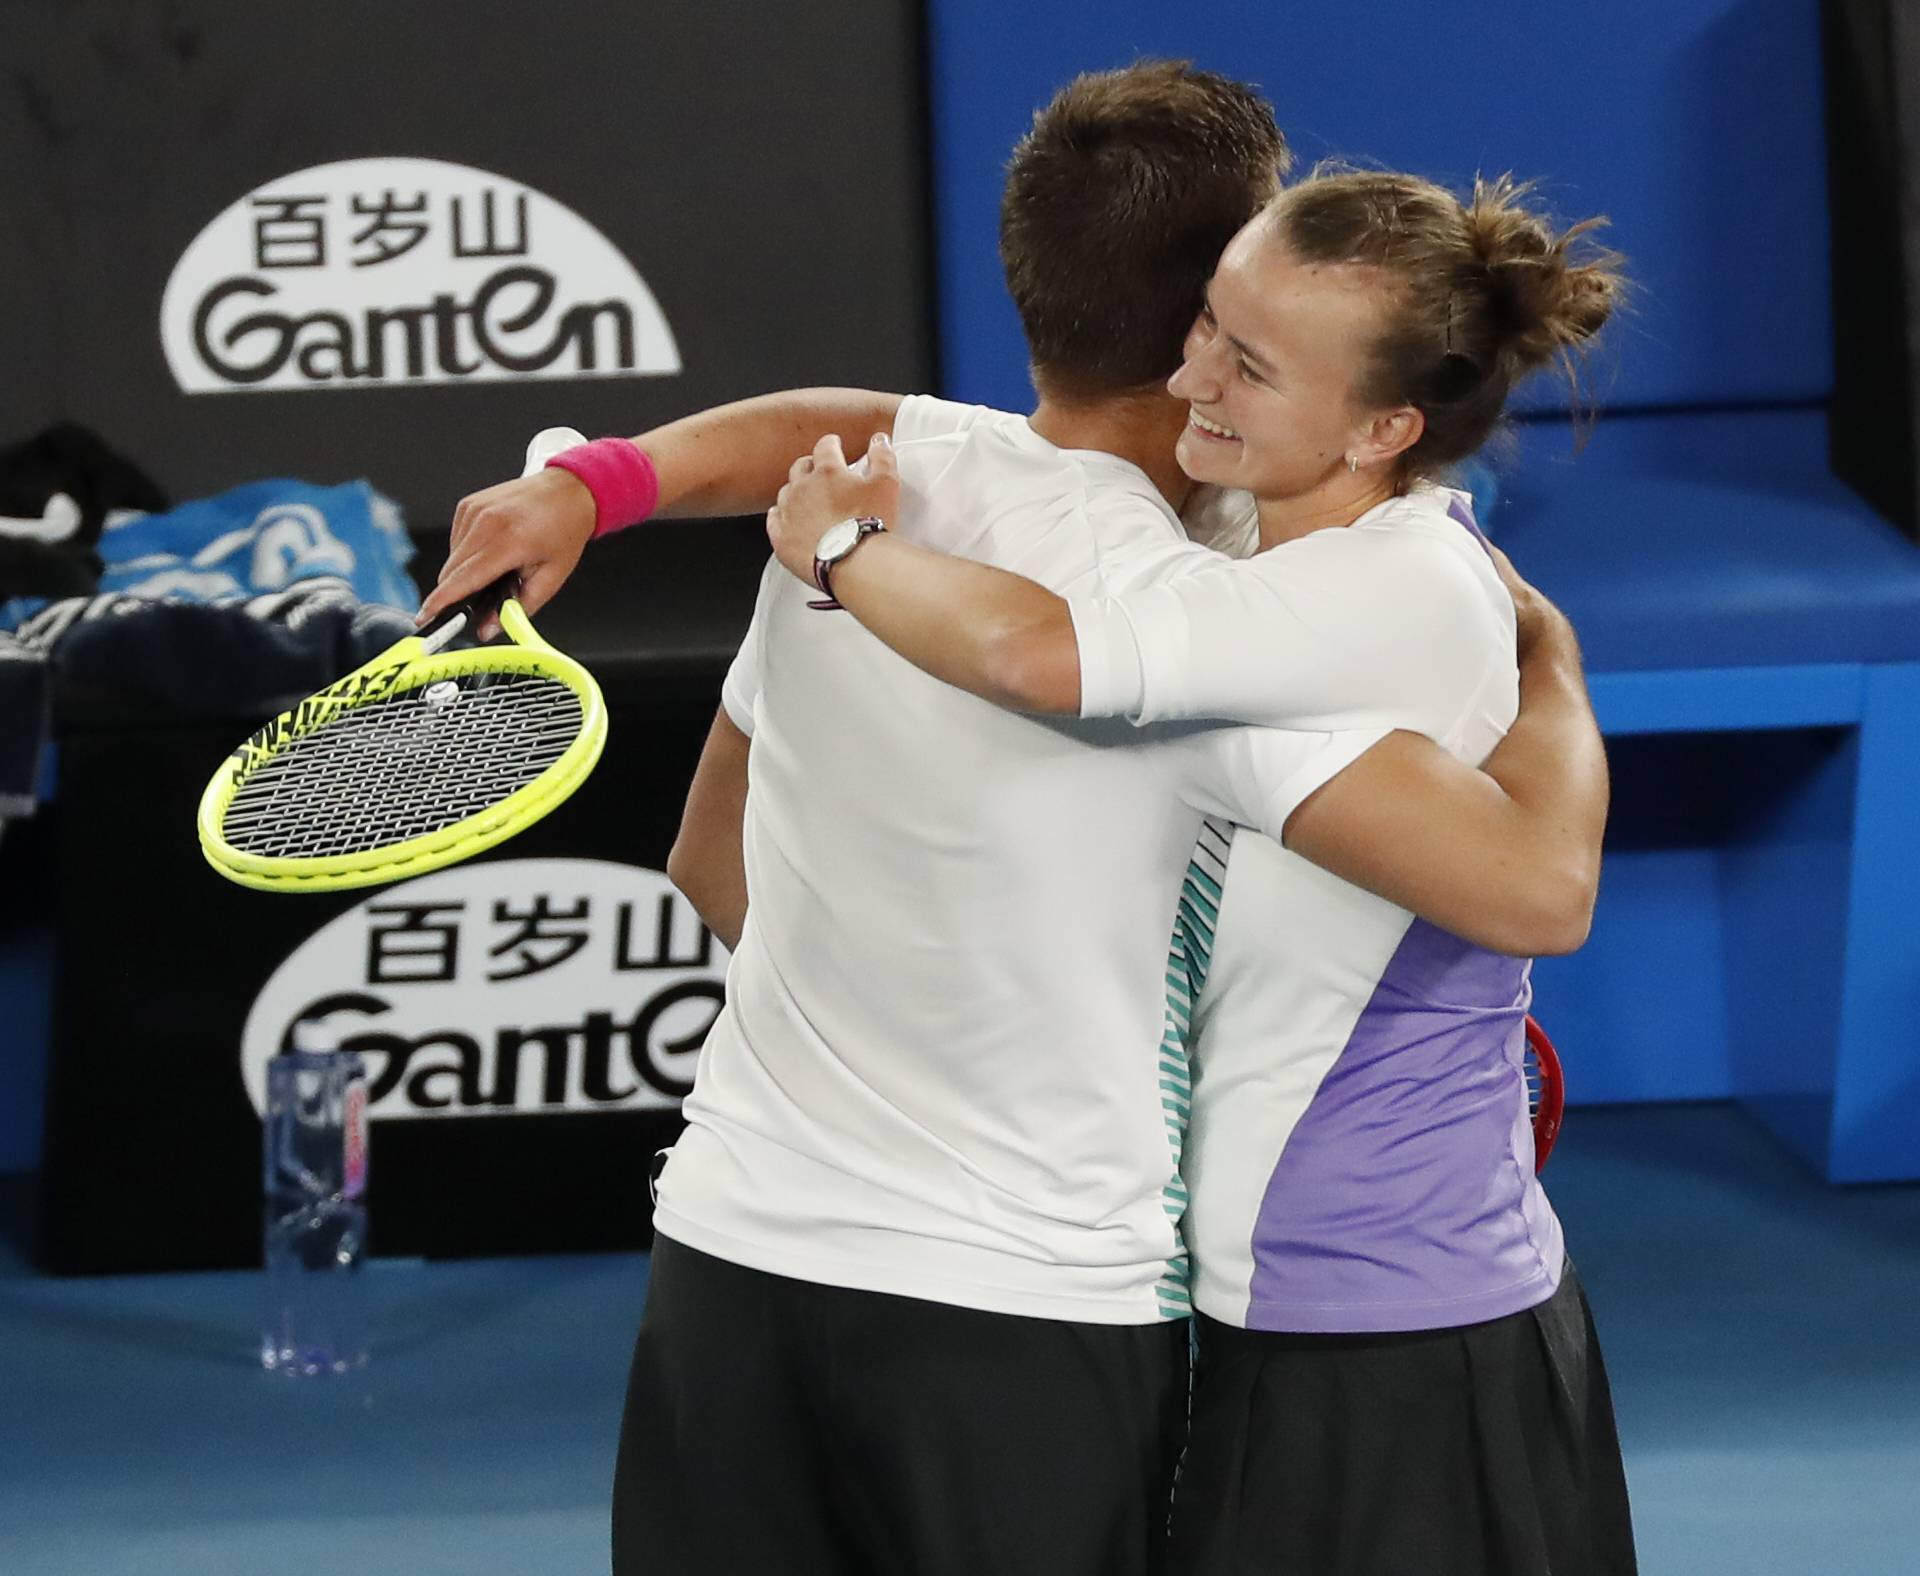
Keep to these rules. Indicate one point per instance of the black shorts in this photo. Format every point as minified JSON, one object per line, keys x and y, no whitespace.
{"x":1487,"y":1450}
{"x":781,"y":1427}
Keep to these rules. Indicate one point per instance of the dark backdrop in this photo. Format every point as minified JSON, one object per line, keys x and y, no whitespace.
{"x":762,"y":167}
{"x":1873,"y":128}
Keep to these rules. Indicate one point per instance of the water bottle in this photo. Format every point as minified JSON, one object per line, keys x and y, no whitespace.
{"x":315,"y":1171}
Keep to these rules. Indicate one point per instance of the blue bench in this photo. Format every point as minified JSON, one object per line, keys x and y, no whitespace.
{"x":1753,"y":632}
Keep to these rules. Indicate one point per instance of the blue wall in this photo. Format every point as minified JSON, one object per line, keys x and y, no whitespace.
{"x":1695,"y":124}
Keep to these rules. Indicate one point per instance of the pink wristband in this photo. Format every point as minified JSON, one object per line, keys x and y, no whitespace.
{"x":620,"y":476}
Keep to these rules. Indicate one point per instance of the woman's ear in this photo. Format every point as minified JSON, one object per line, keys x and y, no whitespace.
{"x":1388,"y":434}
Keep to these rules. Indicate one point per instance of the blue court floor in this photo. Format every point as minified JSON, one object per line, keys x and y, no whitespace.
{"x":1763,"y":1332}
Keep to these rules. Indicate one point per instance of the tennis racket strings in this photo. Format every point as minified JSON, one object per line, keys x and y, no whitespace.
{"x":1534,"y":1086}
{"x":406,"y":766}
{"x":1546,"y":1091}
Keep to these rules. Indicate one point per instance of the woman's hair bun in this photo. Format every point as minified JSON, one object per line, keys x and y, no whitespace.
{"x":1551,"y":291}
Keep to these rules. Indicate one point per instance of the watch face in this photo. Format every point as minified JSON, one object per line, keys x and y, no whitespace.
{"x":837,"y":539}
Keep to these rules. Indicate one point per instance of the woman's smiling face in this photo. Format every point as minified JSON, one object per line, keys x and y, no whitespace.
{"x":1271,"y":364}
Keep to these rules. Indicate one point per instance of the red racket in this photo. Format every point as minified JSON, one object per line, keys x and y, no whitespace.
{"x":1546,"y":1092}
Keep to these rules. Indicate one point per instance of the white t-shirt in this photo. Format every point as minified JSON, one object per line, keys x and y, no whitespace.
{"x":1360,"y":1157}
{"x":949,"y":1065}
{"x":1398,"y":620}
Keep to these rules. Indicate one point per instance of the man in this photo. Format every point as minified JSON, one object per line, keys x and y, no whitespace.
{"x":919,"y":1293}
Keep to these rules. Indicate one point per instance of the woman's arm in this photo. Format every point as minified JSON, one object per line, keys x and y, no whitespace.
{"x":992,"y":633}
{"x":1340,"y":630}
{"x":730,"y":460}
{"x":1507,"y":856}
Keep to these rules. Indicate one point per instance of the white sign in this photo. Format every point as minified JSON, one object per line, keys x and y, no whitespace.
{"x":515,"y":987}
{"x":371,"y":273}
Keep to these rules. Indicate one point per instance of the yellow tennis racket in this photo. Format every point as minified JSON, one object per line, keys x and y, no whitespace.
{"x":416,"y":760}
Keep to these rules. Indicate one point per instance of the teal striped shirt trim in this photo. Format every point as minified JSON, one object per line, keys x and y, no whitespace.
{"x":1189,"y":955}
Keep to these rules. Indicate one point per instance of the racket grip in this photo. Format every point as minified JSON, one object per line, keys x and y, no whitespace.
{"x":489,"y":597}
{"x":466,"y":616}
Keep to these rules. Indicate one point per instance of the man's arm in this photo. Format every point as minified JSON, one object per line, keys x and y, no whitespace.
{"x":1507,"y":856}
{"x":730,"y":460}
{"x":708,"y":861}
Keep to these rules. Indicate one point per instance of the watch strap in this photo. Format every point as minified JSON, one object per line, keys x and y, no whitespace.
{"x":865,"y":526}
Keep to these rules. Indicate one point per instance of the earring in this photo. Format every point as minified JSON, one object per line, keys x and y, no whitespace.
{"x":1353,"y":464}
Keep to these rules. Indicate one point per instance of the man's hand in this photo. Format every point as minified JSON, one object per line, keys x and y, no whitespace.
{"x":823,"y":490}
{"x":538,"y":525}
{"x":1533,"y":614}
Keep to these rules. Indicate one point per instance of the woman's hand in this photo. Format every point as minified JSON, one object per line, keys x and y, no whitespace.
{"x":538,"y":525}
{"x":822,"y":490}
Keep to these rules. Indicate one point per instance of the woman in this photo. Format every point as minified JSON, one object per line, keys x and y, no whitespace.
{"x":1397,"y":1368}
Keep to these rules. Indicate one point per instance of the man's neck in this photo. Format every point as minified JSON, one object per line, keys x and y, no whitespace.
{"x":1139,"y":428}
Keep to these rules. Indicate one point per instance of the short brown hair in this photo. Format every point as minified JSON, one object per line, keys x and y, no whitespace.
{"x":1482,"y":293}
{"x":1117,"y":206}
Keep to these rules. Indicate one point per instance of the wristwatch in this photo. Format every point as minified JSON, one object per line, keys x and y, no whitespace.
{"x":836,"y":542}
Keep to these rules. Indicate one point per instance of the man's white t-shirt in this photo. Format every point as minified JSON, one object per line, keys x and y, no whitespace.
{"x":948,"y":1066}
